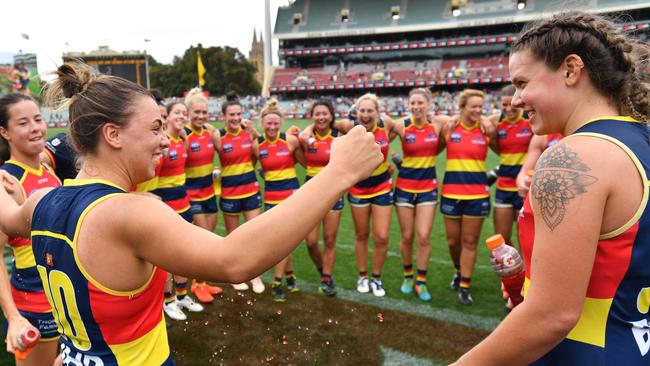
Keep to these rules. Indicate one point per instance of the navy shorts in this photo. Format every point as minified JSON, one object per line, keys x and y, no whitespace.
{"x":465,"y":208}
{"x":507,"y":199}
{"x":239,"y":205}
{"x":408,"y":199}
{"x":385,"y":199}
{"x":208,"y":206}
{"x":44,"y":322}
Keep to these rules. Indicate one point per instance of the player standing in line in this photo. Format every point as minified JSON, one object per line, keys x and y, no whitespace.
{"x":22,"y":137}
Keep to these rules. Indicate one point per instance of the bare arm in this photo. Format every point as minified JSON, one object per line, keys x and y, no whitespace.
{"x":443,"y":125}
{"x":493,"y":120}
{"x":535,"y":150}
{"x":296,"y":149}
{"x":567,"y":229}
{"x":15,"y":320}
{"x":185,"y":249}
{"x":216,"y":139}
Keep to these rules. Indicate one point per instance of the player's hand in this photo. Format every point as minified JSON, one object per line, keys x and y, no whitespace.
{"x":524,"y":179}
{"x":355,"y":155}
{"x":16,"y":324}
{"x":9,"y":183}
{"x":486,"y":126}
{"x":294,"y":130}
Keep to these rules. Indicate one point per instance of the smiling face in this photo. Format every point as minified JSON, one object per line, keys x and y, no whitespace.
{"x":419,"y":106}
{"x":176,"y":119}
{"x":472,"y":110}
{"x":540,"y":92}
{"x":198,"y":114}
{"x":367,"y":113}
{"x":142,"y":140}
{"x":26,"y":130}
{"x":509,"y":111}
{"x":233,"y":117}
{"x":322,"y":118}
{"x":271,"y":123}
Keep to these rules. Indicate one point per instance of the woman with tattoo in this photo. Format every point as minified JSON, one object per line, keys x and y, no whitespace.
{"x":585,"y":226}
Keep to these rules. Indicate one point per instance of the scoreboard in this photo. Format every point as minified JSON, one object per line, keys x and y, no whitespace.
{"x":133,"y":67}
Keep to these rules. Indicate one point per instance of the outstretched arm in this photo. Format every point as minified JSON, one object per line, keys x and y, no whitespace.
{"x":535,"y":150}
{"x":182,"y":248}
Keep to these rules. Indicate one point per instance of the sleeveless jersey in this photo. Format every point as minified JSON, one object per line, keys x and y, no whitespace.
{"x":613,"y":328}
{"x":465,"y":177}
{"x":26,"y":286}
{"x":171,"y":179}
{"x":513,"y":138}
{"x":418,"y":171}
{"x":238,"y":178}
{"x":99,"y":326}
{"x":278,"y":165}
{"x":318,"y":155}
{"x":199,"y":165}
{"x":379,"y":181}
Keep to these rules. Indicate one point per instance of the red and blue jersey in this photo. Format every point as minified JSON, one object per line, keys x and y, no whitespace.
{"x":171,"y":178}
{"x":238,"y":178}
{"x":26,"y":286}
{"x":553,"y":139}
{"x":513,"y":138}
{"x":318,"y":154}
{"x":151,"y":184}
{"x":199,"y":165}
{"x":465,"y":177}
{"x":278,"y":164}
{"x":98,"y":325}
{"x":614,"y":326}
{"x":418,"y":171}
{"x":379,"y":181}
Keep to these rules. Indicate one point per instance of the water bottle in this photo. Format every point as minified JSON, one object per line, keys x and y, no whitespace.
{"x":27,"y":339}
{"x":216,"y":173}
{"x":509,"y":265}
{"x":397,"y":159}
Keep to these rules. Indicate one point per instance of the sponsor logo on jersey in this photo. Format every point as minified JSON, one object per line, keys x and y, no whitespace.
{"x":455,"y":137}
{"x":410,"y":138}
{"x":195,"y":146}
{"x":264,"y":154}
{"x":173,"y":155}
{"x":227,"y":147}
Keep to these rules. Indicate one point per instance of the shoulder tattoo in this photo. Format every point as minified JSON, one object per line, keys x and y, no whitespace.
{"x":560,"y":176}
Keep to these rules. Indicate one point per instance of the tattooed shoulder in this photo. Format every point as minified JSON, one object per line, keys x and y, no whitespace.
{"x":560,"y":176}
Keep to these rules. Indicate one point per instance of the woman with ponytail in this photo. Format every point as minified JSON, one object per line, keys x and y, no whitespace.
{"x":584,"y":228}
{"x":82,"y":232}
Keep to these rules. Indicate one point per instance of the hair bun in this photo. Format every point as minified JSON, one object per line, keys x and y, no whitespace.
{"x":272,"y":104}
{"x":74,"y":78}
{"x":231,"y":96}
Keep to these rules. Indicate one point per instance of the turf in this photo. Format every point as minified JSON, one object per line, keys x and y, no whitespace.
{"x":250,"y":329}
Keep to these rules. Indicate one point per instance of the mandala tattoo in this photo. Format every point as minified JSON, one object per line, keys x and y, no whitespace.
{"x":559,"y":178}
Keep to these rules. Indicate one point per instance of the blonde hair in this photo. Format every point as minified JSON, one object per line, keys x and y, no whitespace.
{"x":368,"y":96}
{"x":468,"y":93}
{"x":195,"y":95}
{"x":271,"y":107}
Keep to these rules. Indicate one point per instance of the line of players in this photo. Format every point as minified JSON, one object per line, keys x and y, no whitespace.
{"x":185,"y":182}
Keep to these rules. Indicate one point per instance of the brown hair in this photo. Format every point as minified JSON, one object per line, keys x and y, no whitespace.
{"x":271,"y":108}
{"x":468,"y":93}
{"x":508,"y":91}
{"x":6,"y":101}
{"x":93,"y":100}
{"x":612,"y":59}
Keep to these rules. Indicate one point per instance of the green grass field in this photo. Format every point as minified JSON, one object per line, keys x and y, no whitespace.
{"x":248,"y":328}
{"x":485,"y":284}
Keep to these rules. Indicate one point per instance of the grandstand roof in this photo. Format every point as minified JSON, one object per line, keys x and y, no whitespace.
{"x":322,"y":18}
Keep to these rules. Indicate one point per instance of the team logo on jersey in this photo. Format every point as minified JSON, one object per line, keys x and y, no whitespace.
{"x":312,"y":150}
{"x":641,"y":328}
{"x":227,"y":147}
{"x":479,"y":140}
{"x":502,"y":134}
{"x":431,"y":137}
{"x":195,"y":146}
{"x":410,"y":138}
{"x":283,"y":151}
{"x":264,"y":154}
{"x":173,"y":155}
{"x":455,"y":137}
{"x":56,"y":142}
{"x":49,"y":259}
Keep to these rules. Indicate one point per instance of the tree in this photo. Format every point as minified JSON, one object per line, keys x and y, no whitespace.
{"x":226,"y":70}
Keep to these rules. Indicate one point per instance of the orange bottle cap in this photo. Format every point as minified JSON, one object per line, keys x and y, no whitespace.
{"x":494,"y":241}
{"x":530,"y":173}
